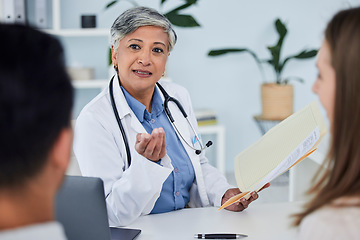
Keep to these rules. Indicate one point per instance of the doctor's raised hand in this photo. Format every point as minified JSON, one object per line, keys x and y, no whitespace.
{"x":140,"y":133}
{"x":152,"y":146}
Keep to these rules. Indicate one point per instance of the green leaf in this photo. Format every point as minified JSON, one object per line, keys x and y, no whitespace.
{"x":219,"y":52}
{"x":162,"y":1}
{"x":181,"y":7}
{"x":276,"y":49}
{"x":182,"y":20}
{"x":191,"y":1}
{"x":111,"y":3}
{"x":270,"y":61}
{"x":302,"y":55}
{"x":280,"y":28}
{"x":306,"y":54}
{"x":275,"y":53}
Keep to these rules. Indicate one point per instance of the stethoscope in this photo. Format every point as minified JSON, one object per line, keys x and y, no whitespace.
{"x":167,"y":99}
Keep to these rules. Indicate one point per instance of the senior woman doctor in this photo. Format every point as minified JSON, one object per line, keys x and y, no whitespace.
{"x":165,"y":174}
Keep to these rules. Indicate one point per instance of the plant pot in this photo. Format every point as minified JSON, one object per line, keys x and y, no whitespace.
{"x":277,"y":101}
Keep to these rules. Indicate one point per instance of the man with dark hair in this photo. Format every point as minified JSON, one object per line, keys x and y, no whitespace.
{"x":36,"y":99}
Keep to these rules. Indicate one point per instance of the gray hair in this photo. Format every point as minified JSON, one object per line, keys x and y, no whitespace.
{"x":132,"y":19}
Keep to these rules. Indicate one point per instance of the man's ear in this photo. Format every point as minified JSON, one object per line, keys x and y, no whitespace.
{"x":61,"y":151}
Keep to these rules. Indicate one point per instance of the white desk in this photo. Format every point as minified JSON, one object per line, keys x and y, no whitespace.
{"x":259,"y":221}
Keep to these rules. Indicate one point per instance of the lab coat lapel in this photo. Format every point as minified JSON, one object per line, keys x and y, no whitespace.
{"x":133,"y":125}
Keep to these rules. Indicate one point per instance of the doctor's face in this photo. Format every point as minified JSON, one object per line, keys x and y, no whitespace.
{"x":141,"y":58}
{"x":325,"y":83}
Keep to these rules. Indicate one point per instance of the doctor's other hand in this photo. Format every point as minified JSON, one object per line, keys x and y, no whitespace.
{"x":153,"y":146}
{"x":243,"y":203}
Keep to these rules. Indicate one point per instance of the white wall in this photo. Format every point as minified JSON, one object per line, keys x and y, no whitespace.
{"x":229,"y":84}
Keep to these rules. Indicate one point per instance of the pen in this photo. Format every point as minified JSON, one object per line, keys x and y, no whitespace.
{"x":219,"y":236}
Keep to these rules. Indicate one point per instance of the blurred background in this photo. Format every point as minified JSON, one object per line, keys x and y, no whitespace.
{"x":227,"y":85}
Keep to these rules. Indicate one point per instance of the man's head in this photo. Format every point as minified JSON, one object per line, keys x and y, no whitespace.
{"x":36,"y":100}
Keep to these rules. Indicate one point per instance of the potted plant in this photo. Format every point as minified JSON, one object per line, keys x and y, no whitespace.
{"x":277,"y":97}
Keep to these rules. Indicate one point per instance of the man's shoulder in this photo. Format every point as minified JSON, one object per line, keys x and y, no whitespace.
{"x":50,"y":230}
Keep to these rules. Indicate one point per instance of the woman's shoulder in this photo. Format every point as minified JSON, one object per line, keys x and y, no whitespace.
{"x":340,"y":218}
{"x":346,"y":201}
{"x":341,"y":209}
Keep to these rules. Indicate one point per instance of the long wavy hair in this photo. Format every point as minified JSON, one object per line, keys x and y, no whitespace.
{"x":342,"y":174}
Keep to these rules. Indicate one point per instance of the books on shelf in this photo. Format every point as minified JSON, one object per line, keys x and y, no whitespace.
{"x":33,"y":12}
{"x":8,"y":11}
{"x":41,"y":20}
{"x":19,"y":11}
{"x":281,"y":148}
{"x":205,"y":117}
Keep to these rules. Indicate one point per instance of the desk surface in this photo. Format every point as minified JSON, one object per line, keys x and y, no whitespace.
{"x":259,"y":221}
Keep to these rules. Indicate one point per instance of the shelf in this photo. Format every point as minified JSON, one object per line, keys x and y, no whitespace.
{"x":211,"y":128}
{"x":219,"y":131}
{"x":83,"y":32}
{"x":96,"y":83}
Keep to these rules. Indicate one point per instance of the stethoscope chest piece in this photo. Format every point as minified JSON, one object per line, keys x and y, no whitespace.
{"x":167,"y":99}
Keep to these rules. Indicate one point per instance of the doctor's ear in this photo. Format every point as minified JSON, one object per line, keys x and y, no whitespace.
{"x":113,"y":55}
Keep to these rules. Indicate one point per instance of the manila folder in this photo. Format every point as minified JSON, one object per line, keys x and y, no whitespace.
{"x":278,"y":150}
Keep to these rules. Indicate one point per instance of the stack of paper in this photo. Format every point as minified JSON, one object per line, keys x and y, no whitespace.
{"x":278,"y":150}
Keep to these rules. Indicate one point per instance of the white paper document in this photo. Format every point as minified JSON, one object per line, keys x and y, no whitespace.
{"x":278,"y":150}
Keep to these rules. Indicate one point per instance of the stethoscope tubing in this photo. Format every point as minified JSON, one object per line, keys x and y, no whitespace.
{"x":122,"y":130}
{"x":167,"y":99}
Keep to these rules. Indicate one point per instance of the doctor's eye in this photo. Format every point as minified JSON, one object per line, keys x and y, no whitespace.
{"x":134,"y":46}
{"x":158,"y":50}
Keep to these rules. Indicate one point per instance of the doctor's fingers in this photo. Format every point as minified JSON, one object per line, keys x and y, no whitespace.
{"x":163,"y":146}
{"x":265,"y":186}
{"x":142,"y":140}
{"x":245,"y":203}
{"x":155,"y":149}
{"x":157,"y":146}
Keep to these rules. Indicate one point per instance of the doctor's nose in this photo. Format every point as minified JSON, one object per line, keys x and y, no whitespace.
{"x":144,"y":59}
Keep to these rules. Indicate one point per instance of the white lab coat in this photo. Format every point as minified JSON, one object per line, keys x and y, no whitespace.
{"x":133,"y":191}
